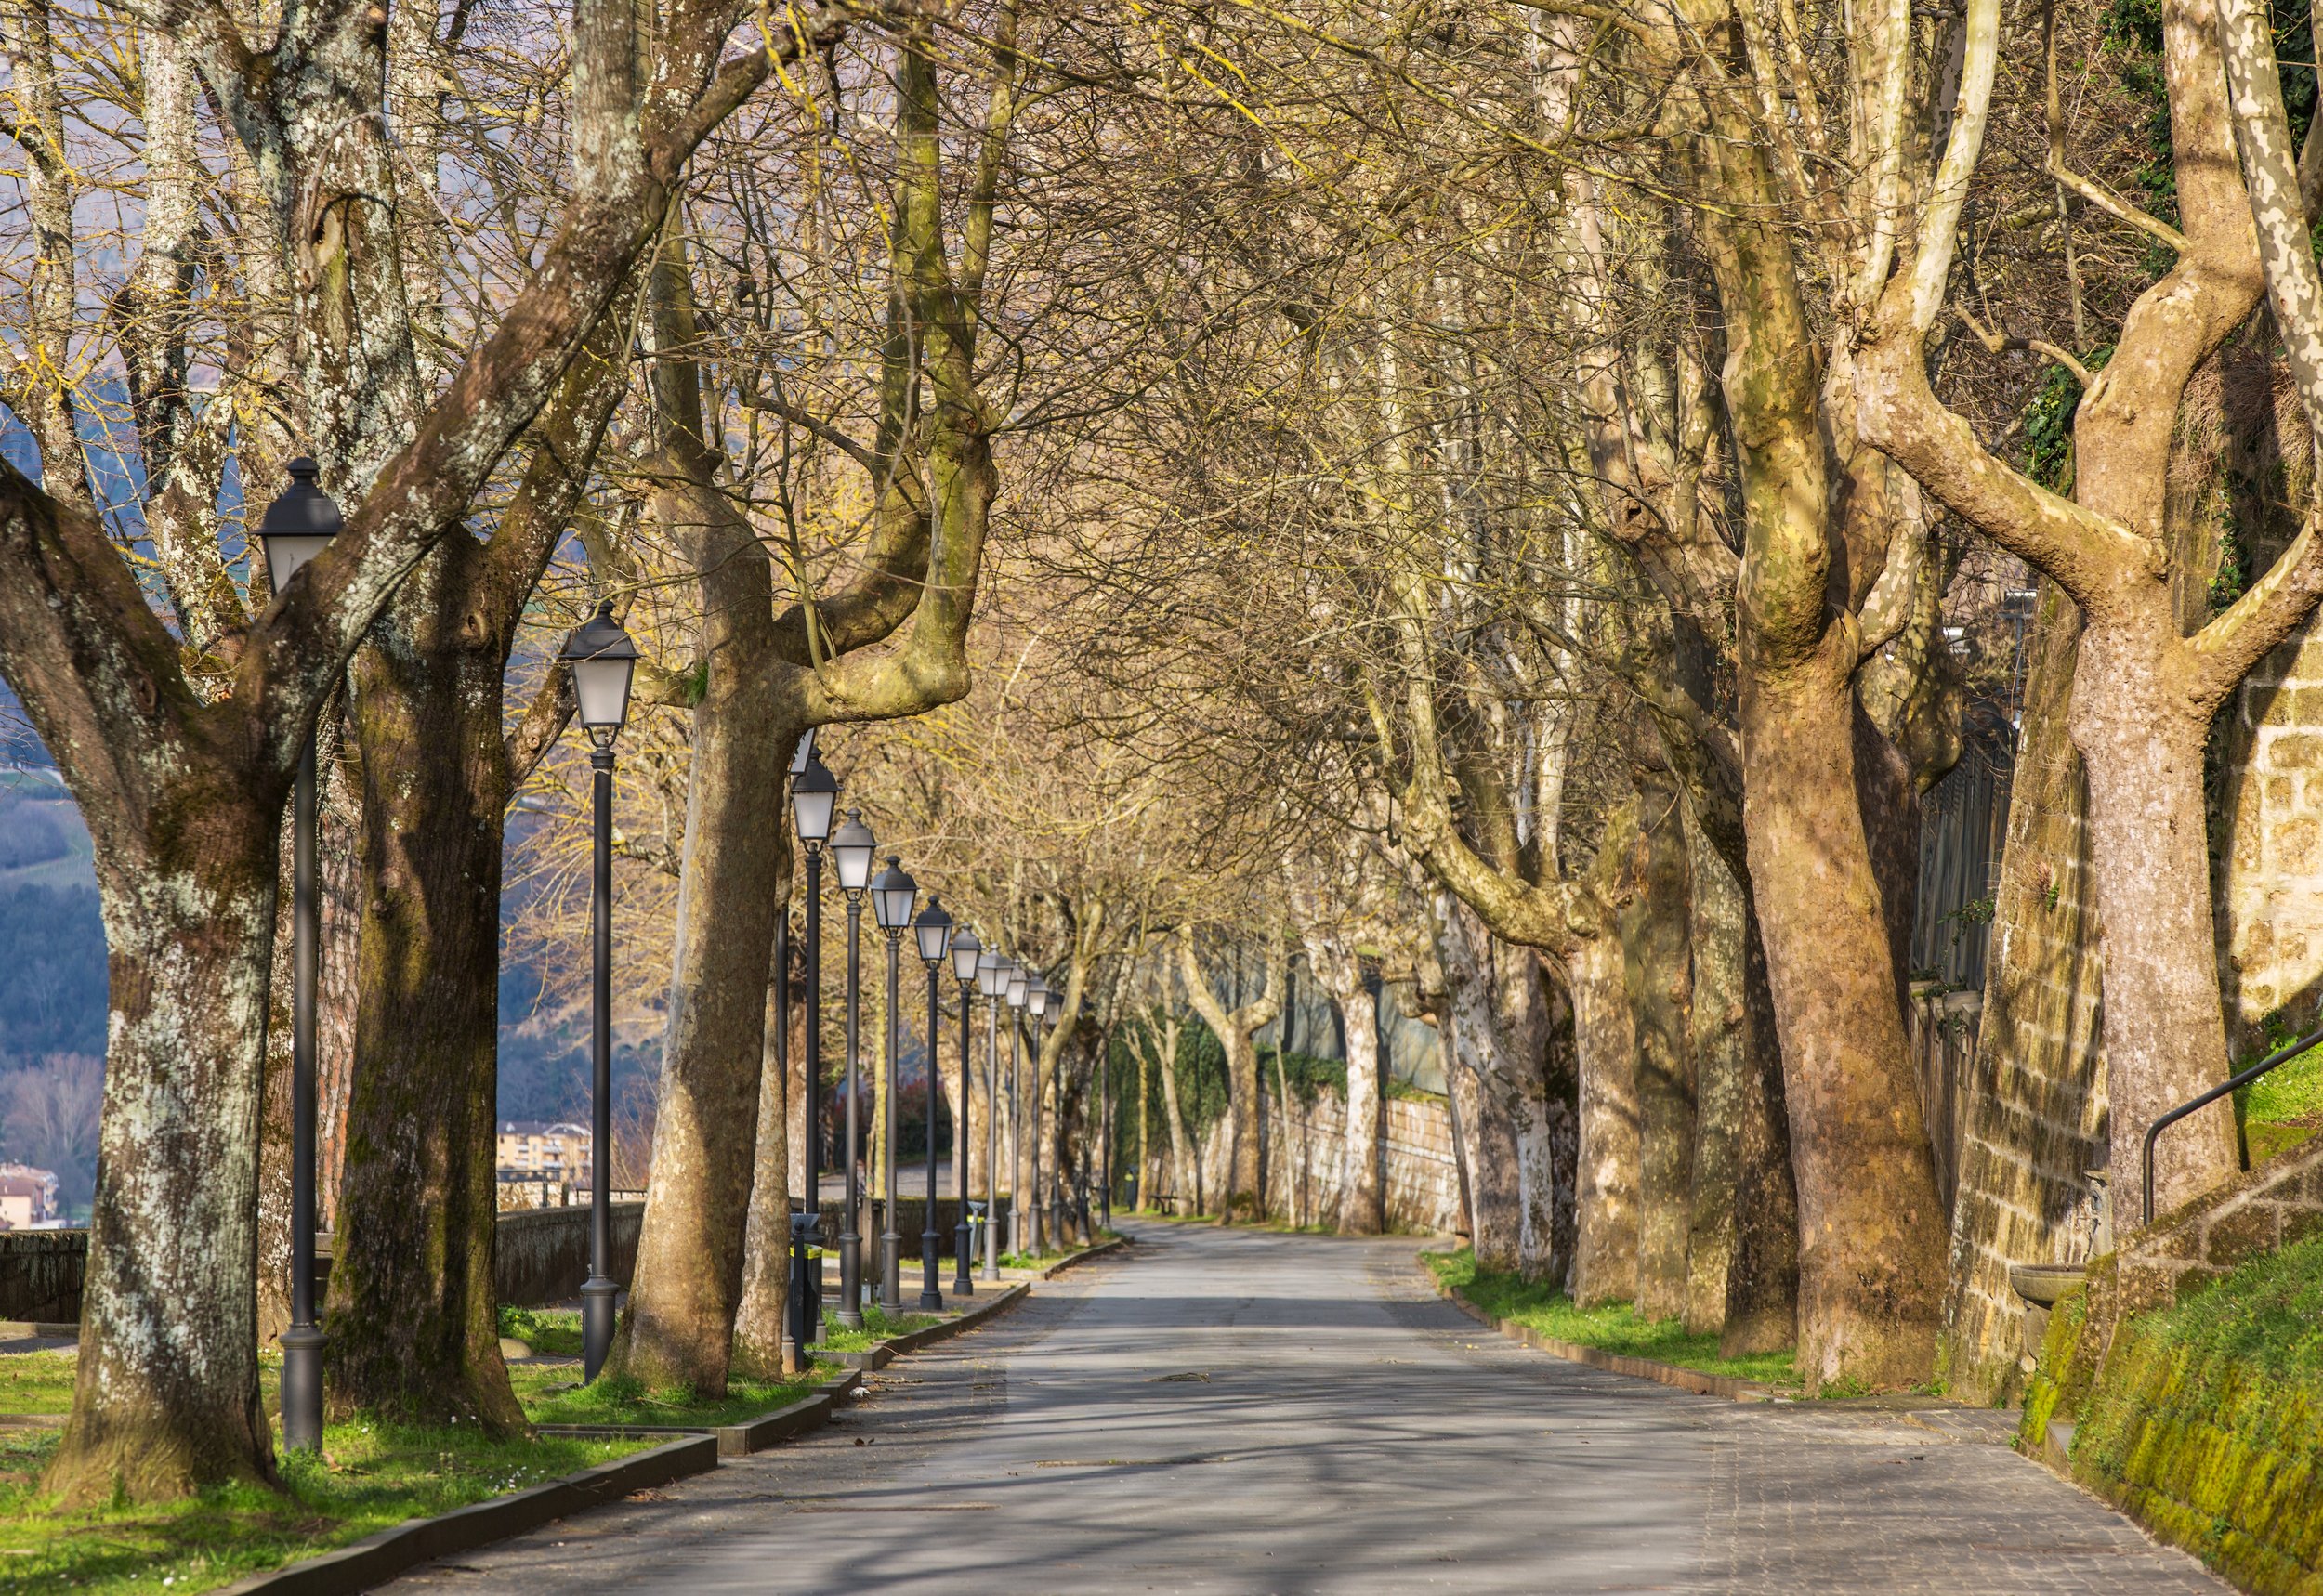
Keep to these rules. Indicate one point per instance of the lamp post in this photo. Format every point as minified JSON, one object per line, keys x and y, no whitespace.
{"x":992,"y":980}
{"x":813,"y":796}
{"x":933,"y":929}
{"x":966,"y":948}
{"x":892,"y":896}
{"x":1018,"y":989}
{"x":601,"y":658}
{"x":852,"y":847}
{"x":1036,"y":1000}
{"x":296,"y":526}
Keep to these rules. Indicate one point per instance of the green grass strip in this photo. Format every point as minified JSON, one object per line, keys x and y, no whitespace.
{"x":1615,"y":1327}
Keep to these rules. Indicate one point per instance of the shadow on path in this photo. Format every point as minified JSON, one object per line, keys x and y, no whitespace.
{"x":1242,"y":1412}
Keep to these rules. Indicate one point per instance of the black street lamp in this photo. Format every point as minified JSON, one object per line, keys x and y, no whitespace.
{"x":992,"y":980}
{"x":892,"y":896}
{"x":1016,"y":993}
{"x":602,"y":659}
{"x":296,"y":526}
{"x":966,"y":948}
{"x":933,"y":929}
{"x":852,"y":848}
{"x":813,"y":796}
{"x":1105,"y":1131}
{"x":1044,"y":1227}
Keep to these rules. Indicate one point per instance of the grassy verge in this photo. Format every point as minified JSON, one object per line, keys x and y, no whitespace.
{"x":1042,"y":1260}
{"x":550,"y":1332}
{"x":2200,"y":1417}
{"x":367,"y":1478}
{"x":555,"y":1396}
{"x":37,"y":1382}
{"x":1614,"y":1328}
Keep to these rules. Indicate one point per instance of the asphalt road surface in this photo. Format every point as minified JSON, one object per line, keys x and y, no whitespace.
{"x":1242,"y":1412}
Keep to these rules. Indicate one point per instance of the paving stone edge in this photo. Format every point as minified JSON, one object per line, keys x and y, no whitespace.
{"x":1668,"y":1374}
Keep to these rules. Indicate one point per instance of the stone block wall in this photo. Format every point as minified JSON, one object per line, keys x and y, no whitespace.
{"x":2270,"y":1207}
{"x":540,"y":1255}
{"x":1420,"y":1176}
{"x":2270,"y":889}
{"x":2173,"y":1429}
{"x":2034,"y":1116}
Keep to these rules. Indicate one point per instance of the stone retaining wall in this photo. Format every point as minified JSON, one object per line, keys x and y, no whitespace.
{"x":2034,"y":1116}
{"x":1420,"y":1177}
{"x":541,"y":1255}
{"x":2185,"y":1440}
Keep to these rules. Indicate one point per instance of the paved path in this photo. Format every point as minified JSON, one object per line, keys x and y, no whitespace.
{"x":1237,"y":1412}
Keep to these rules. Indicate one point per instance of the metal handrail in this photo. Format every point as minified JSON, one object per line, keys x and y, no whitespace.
{"x":2282,"y":1055}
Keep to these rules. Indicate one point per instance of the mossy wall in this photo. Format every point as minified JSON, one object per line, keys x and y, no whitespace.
{"x":2189,"y":1367}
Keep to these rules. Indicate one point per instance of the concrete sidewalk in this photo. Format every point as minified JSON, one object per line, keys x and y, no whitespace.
{"x":1236,"y":1411}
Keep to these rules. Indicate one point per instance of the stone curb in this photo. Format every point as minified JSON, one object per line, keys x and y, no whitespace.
{"x":734,"y":1440}
{"x":1700,"y":1384}
{"x":809,"y":1412}
{"x":379,"y":1558}
{"x":694,"y":1450}
{"x":879,"y":1355}
{"x":1100,"y":1250}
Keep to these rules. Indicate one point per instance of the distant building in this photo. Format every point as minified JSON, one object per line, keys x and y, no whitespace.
{"x":28,"y":1197}
{"x":537,"y":1151}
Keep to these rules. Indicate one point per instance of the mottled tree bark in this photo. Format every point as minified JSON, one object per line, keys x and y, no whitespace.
{"x":1361,"y":1196}
{"x":184,"y":795}
{"x":1763,"y":1280}
{"x":1870,"y":1223}
{"x":413,"y":1313}
{"x":1605,"y":1252}
{"x":1720,"y":1043}
{"x":1234,"y":1029}
{"x":678,"y":1327}
{"x":765,"y":1290}
{"x":1655,"y":927}
{"x":2144,"y":691}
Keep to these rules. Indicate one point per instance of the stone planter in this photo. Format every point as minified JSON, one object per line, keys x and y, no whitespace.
{"x":2040,"y":1285}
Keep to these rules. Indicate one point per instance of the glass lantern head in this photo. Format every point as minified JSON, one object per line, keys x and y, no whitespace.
{"x":967,"y":948}
{"x":602,"y":659}
{"x":852,"y":846}
{"x":934,"y":930}
{"x":813,"y":797}
{"x":893,"y":894}
{"x":298,"y":525}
